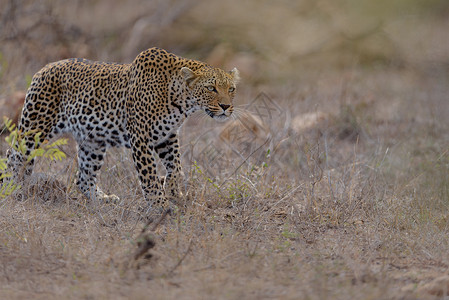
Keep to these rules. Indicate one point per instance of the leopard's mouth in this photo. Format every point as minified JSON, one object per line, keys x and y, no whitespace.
{"x":220,"y":117}
{"x":209,"y":113}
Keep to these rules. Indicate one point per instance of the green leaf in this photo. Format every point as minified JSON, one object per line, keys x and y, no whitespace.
{"x":2,"y":164}
{"x":7,"y":189}
{"x":58,"y":143}
{"x":9,"y":124}
{"x":36,"y":153}
{"x":4,"y":175}
{"x":22,"y":148}
{"x":37,"y":138}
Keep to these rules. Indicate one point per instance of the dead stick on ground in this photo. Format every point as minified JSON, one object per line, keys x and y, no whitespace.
{"x":145,"y":241}
{"x":181,"y":259}
{"x":164,"y":214}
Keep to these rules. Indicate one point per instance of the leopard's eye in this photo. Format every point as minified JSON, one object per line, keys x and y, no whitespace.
{"x":231,"y":89}
{"x":211,"y":88}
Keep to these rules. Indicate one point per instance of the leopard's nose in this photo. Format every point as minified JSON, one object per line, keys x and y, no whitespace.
{"x":224,"y":106}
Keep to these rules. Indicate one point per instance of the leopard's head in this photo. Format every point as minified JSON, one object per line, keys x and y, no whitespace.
{"x":212,"y":89}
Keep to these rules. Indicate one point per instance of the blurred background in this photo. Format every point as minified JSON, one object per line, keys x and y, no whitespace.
{"x":348,"y":69}
{"x":267,"y":40}
{"x":338,"y":156}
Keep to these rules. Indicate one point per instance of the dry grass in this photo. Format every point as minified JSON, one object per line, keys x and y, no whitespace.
{"x":339,"y":189}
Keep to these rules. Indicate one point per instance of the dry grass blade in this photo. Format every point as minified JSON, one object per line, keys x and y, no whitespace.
{"x":170,"y":272}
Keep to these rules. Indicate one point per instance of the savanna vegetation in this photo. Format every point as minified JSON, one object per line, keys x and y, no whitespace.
{"x":331,"y":182}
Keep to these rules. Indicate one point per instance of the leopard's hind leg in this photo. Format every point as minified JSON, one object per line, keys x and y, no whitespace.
{"x":39,"y":115}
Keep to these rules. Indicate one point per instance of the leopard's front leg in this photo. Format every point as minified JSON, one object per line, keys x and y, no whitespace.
{"x":143,"y":156}
{"x":168,"y":152}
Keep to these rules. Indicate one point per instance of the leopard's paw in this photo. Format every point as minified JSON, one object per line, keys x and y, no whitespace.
{"x":108,"y":199}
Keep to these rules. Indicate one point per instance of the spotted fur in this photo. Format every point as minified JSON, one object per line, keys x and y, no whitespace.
{"x":139,"y":105}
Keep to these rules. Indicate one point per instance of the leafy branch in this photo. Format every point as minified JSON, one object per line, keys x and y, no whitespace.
{"x":17,"y":141}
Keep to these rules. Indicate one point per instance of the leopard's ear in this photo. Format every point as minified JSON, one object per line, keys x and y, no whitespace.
{"x":235,"y":75}
{"x":188,"y":75}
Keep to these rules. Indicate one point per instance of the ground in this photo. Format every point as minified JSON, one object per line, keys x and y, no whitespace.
{"x":336,"y":187}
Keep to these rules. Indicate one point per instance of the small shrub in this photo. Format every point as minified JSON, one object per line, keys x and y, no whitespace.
{"x":16,"y":141}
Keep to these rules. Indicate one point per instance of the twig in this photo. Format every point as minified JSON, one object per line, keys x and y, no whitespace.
{"x":181,"y":259}
{"x":144,"y":244}
{"x":145,"y":241}
{"x":164,"y":214}
{"x":326,"y":148}
{"x":243,"y":162}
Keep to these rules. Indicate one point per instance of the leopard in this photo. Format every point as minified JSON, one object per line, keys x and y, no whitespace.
{"x":141,"y":106}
